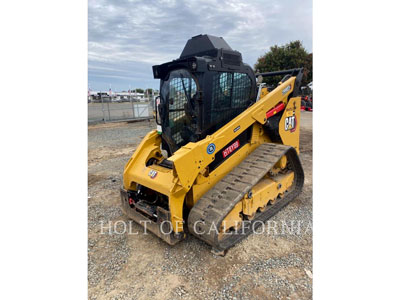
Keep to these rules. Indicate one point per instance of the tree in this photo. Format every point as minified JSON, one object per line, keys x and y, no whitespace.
{"x":149,"y":91}
{"x":141,"y":91}
{"x":289,"y":56}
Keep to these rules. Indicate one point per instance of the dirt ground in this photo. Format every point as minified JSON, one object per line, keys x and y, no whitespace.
{"x":128,"y":264}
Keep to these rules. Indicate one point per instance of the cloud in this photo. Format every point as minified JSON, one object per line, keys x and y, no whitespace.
{"x":127,"y":37}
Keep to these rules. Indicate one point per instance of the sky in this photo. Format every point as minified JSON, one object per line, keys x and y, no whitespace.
{"x":127,"y":37}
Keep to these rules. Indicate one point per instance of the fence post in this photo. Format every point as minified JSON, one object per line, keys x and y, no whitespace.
{"x":102,"y":107}
{"x":133,"y":108}
{"x":108,"y":107}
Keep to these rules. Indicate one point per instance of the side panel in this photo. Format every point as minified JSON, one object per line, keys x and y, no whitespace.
{"x":289,"y":125}
{"x":203,"y":184}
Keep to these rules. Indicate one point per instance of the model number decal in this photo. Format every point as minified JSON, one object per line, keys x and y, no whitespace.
{"x":290,"y":123}
{"x":230,"y":148}
{"x":236,"y":129}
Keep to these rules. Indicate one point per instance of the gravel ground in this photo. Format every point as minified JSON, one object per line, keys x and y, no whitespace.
{"x":274,"y":264}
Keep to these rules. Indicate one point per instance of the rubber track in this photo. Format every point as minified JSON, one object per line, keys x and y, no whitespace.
{"x":210,"y":210}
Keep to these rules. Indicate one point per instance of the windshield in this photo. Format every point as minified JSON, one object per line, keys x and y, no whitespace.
{"x":177,"y":93}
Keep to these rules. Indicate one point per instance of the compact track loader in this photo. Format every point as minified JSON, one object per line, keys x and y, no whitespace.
{"x":224,"y":157}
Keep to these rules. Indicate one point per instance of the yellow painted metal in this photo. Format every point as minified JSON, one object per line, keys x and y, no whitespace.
{"x":289,"y":126}
{"x":233,"y":219}
{"x":282,"y":162}
{"x":266,"y":190}
{"x":264,"y":92}
{"x":280,"y":165}
{"x":190,"y":163}
{"x":136,"y":171}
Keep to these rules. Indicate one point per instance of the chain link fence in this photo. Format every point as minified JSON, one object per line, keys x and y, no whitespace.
{"x":113,"y":109}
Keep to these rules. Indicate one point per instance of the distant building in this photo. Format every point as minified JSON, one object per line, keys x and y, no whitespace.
{"x":99,"y":96}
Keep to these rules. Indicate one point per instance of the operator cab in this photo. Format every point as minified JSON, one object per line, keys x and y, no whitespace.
{"x":200,"y":92}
